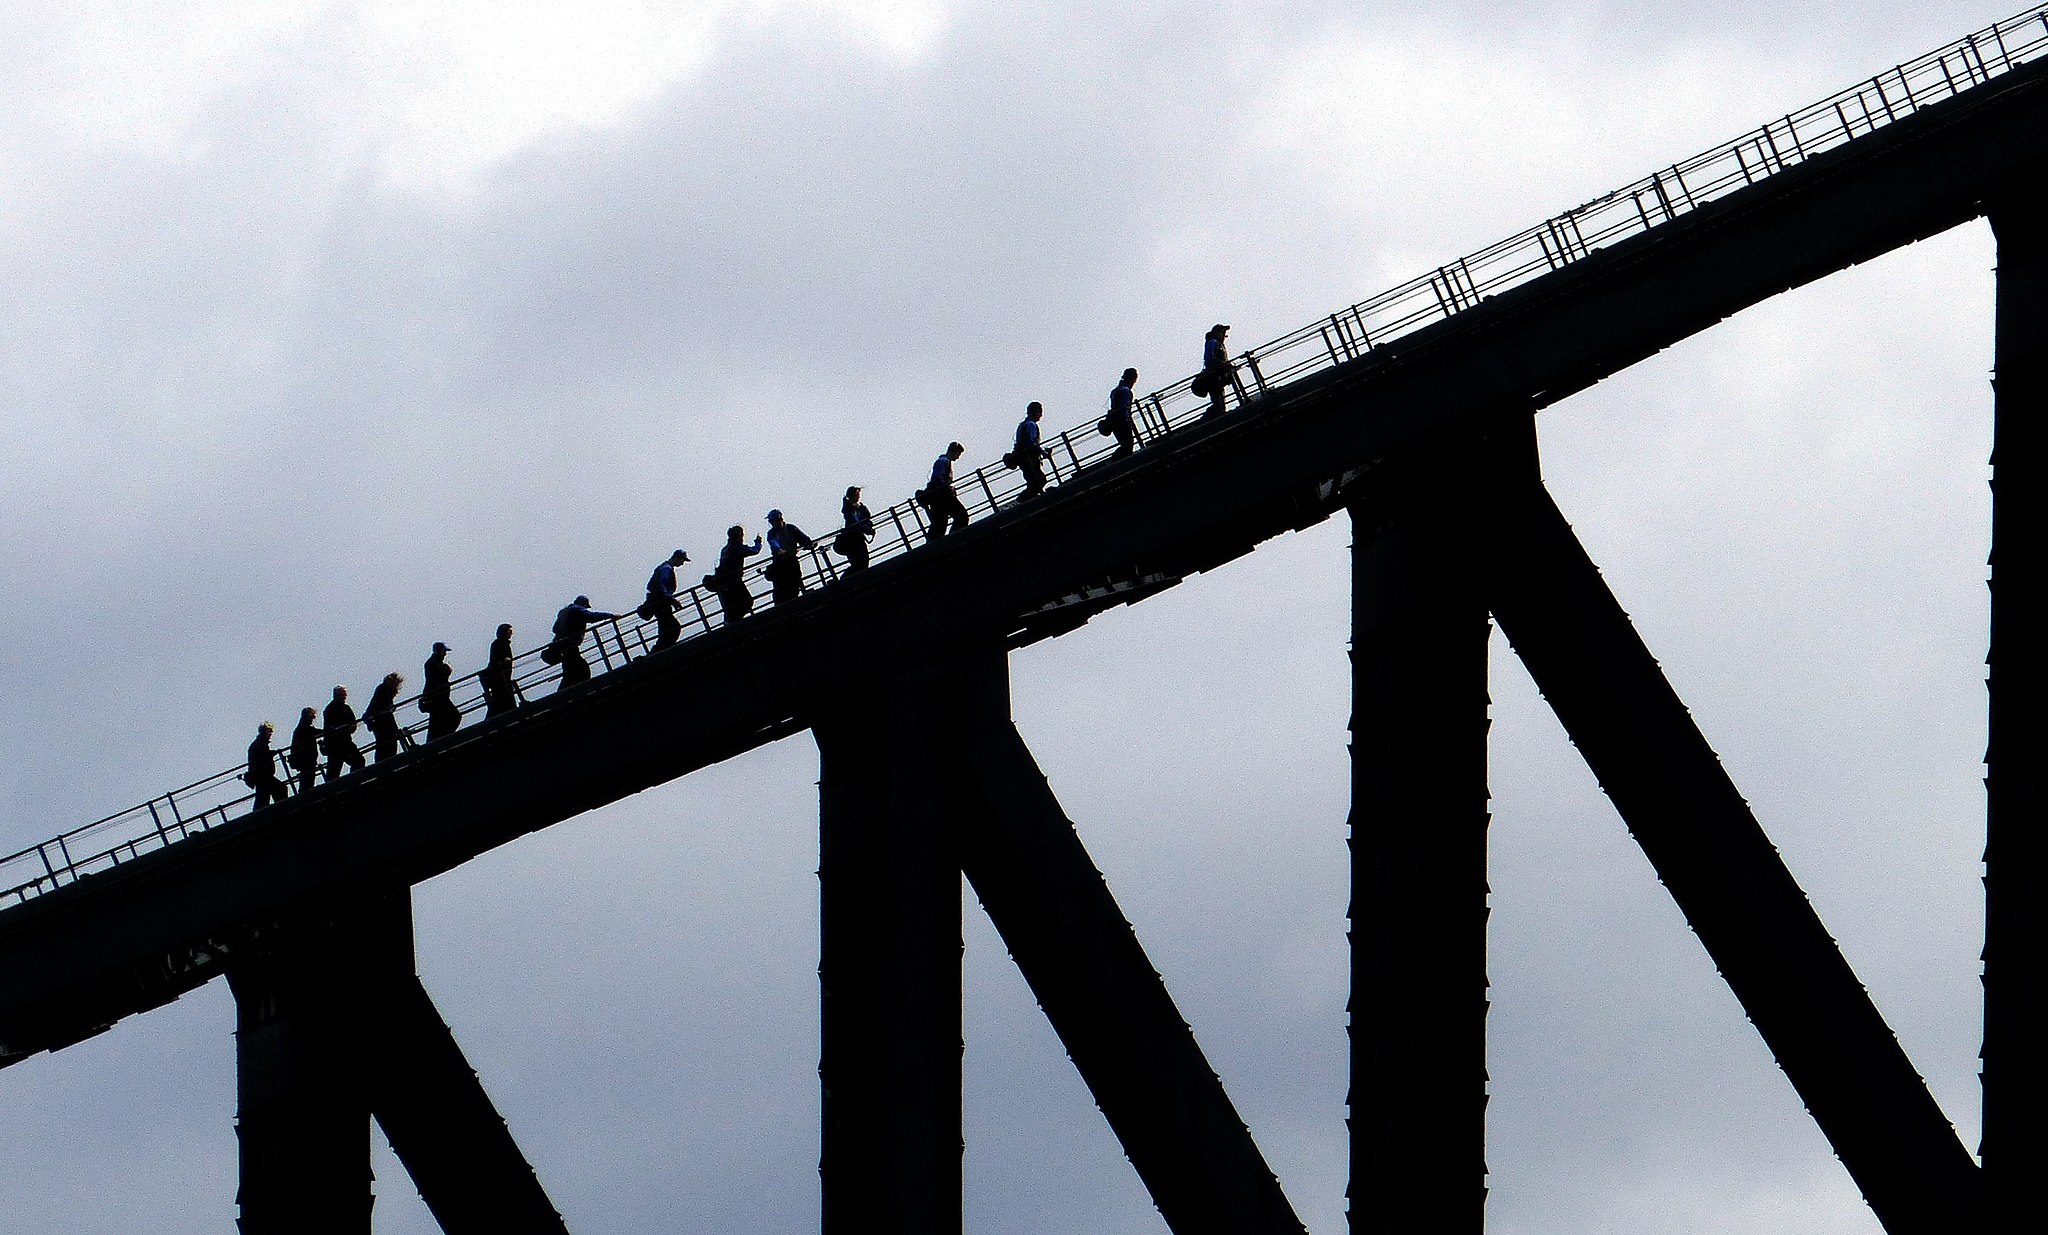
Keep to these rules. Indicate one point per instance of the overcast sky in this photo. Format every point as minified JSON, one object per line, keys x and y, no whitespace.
{"x":331,"y":330}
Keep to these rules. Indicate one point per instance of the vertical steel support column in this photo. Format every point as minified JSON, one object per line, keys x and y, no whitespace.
{"x":1418,"y":859}
{"x":304,"y":1119}
{"x":2014,"y":1148}
{"x":889,"y":971}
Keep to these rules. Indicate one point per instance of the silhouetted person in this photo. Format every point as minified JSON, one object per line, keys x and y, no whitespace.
{"x":262,"y":773}
{"x":437,"y":695}
{"x":337,"y":735}
{"x":501,"y":692}
{"x":1029,"y":454}
{"x":729,"y":581}
{"x":305,"y":756}
{"x":785,"y":568}
{"x":1121,"y":420}
{"x":571,"y":621}
{"x":947,"y":512}
{"x":382,"y":717}
{"x":853,"y":538}
{"x":1216,"y":374}
{"x":661,"y":603}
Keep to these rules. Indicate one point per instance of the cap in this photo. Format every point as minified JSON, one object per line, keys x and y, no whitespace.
{"x":584,"y":601}
{"x":774,"y":514}
{"x":441,"y":647}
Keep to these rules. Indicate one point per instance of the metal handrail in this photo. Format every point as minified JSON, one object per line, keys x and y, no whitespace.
{"x":1346,"y":335}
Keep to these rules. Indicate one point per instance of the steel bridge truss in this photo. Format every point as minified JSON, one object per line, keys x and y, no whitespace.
{"x":334,"y":1027}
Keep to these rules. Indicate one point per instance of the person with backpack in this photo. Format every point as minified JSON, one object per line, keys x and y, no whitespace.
{"x":1028,"y":454}
{"x":661,"y":603}
{"x":571,"y":621}
{"x":729,"y":581}
{"x":382,"y":717}
{"x":785,"y":569}
{"x":938,"y":497}
{"x":262,"y":773}
{"x":338,"y":736}
{"x":1216,"y":375}
{"x":437,"y":697}
{"x":305,"y":755}
{"x":1120,"y":420}
{"x":852,"y":541}
{"x":501,"y":691}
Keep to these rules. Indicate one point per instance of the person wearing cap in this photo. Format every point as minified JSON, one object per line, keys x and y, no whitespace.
{"x":1121,"y":421}
{"x":661,"y":603}
{"x":382,"y":717}
{"x":1031,"y":456}
{"x":944,"y":504}
{"x":501,"y":691}
{"x":571,"y":621}
{"x":262,"y":774}
{"x":785,"y":569}
{"x":338,"y":736}
{"x":437,"y":697}
{"x":852,"y":541}
{"x":1216,"y":371}
{"x":730,"y":579}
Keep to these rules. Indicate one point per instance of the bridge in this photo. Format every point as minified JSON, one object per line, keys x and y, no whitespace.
{"x":1414,"y":413}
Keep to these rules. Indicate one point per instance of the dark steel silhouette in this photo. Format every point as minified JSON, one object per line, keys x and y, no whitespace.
{"x":2015,"y":1143}
{"x":1418,"y":851}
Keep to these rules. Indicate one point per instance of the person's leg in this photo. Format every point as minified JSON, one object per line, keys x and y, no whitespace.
{"x":575,"y":669}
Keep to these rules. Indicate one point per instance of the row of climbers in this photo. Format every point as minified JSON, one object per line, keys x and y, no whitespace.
{"x":329,"y":735}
